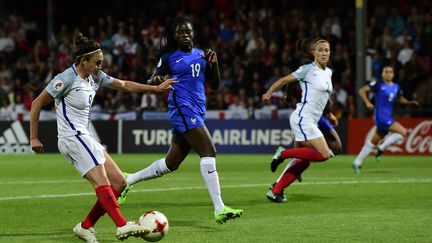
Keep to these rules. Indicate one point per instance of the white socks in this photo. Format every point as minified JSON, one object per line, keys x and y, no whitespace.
{"x":390,"y":140}
{"x":365,"y":151}
{"x":211,"y":178}
{"x":157,"y":169}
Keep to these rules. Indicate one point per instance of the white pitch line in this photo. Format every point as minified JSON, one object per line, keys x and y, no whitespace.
{"x":389,"y":181}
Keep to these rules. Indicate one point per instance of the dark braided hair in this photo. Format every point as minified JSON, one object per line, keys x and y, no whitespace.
{"x":167,"y":42}
{"x":84,"y":45}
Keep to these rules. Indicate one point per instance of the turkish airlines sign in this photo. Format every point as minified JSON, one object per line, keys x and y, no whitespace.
{"x":418,"y":140}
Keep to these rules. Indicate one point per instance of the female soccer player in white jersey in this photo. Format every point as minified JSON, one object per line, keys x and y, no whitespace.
{"x":192,"y":67}
{"x":73,"y":91}
{"x":310,"y":144}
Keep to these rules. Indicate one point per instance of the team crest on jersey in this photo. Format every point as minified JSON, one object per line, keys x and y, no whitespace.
{"x":193,"y":120}
{"x":58,"y":85}
{"x":159,"y":63}
{"x":372,"y":83}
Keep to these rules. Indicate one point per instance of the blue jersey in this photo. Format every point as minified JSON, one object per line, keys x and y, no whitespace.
{"x":187,"y":101}
{"x":385,"y":98}
{"x":189,"y":69}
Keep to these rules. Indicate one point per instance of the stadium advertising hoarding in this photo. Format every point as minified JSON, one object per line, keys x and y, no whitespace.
{"x":233,"y":136}
{"x":418,"y":140}
{"x":15,"y":136}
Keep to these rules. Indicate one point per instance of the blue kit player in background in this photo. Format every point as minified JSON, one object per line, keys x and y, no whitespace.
{"x":192,"y":67}
{"x":386,"y":95}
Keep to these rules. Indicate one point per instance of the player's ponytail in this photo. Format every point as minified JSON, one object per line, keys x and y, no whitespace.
{"x":84,"y":47}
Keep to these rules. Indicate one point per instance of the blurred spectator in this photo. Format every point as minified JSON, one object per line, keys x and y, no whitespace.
{"x":255,"y":40}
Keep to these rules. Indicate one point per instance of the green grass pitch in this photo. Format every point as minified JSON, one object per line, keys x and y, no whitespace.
{"x":42,"y":197}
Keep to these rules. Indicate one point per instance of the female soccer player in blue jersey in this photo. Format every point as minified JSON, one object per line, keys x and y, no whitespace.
{"x":73,"y":91}
{"x":386,"y":95}
{"x":192,"y":67}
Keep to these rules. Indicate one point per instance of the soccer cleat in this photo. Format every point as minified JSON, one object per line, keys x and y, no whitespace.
{"x":122,"y":199}
{"x":300,"y":178}
{"x":282,"y":194}
{"x":87,"y":235}
{"x":378,"y":154}
{"x":277,"y":198}
{"x":276,"y":160}
{"x":357,"y":168}
{"x":131,"y":229}
{"x":226,"y":214}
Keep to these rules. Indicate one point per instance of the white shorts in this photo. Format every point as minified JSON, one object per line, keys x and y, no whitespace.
{"x":304,"y":128}
{"x":82,"y":151}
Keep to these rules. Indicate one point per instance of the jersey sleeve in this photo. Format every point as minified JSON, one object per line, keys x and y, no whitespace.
{"x":301,"y":72}
{"x":59,"y":85}
{"x":162,"y":67}
{"x":103,"y":79}
{"x":373,"y":85}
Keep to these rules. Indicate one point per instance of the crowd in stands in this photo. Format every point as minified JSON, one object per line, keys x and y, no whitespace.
{"x":255,"y":42}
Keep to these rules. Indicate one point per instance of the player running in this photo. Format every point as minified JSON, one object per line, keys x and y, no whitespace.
{"x":386,"y":95}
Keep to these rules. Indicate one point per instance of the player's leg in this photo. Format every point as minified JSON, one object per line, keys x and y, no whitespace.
{"x":88,"y":156}
{"x":177,"y":152}
{"x":98,"y":177}
{"x":398,"y":132}
{"x":296,"y":169}
{"x":313,"y":147}
{"x":365,"y":151}
{"x":334,"y":142}
{"x":117,"y":182}
{"x":200,"y":140}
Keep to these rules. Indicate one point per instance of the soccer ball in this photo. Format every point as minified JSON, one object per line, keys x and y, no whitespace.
{"x":157,"y":223}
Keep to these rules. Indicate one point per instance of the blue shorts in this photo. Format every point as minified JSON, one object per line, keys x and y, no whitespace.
{"x":383,"y":126}
{"x":184,"y":118}
{"x":324,"y":125}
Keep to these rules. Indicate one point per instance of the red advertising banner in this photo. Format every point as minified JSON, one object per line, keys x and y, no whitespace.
{"x":418,"y":140}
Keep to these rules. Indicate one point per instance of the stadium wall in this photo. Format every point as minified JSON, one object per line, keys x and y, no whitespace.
{"x":229,"y":136}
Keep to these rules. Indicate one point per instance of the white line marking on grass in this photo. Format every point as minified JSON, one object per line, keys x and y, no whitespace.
{"x":40,"y":182}
{"x":312,"y":183}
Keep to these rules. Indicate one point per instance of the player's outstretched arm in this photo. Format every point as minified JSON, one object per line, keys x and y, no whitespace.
{"x":135,"y":87}
{"x":404,"y":101}
{"x":276,"y":85}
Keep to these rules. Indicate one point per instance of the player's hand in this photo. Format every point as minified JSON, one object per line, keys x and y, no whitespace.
{"x":370,"y":106}
{"x":333,"y":120}
{"x":37,"y":146}
{"x":156,"y":80}
{"x":266,"y":98}
{"x":166,"y":85}
{"x":414,"y":103}
{"x":210,"y":56}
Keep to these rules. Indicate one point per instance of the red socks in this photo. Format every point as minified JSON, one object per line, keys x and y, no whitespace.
{"x":291,"y":175}
{"x":107,"y":202}
{"x":305,"y":153}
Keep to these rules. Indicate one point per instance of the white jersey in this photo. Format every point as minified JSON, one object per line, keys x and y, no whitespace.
{"x":73,"y":99}
{"x":316,"y":88}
